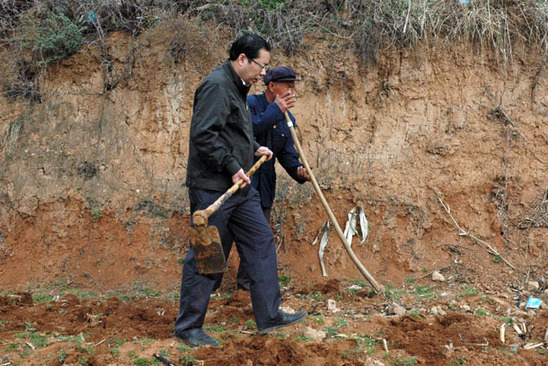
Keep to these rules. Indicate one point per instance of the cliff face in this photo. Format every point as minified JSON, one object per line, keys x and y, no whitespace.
{"x":91,"y":184}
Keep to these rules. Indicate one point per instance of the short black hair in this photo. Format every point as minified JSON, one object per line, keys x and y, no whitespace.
{"x":249,"y":45}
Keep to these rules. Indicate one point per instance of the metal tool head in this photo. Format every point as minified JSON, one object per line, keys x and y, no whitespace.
{"x":208,"y":250}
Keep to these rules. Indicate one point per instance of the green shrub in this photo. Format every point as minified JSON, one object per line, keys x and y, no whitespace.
{"x":52,"y":38}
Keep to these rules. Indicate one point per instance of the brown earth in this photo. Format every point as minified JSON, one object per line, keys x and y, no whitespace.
{"x":94,"y":220}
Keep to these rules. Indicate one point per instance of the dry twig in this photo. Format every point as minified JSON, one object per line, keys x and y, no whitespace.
{"x":462,"y":232}
{"x":538,"y":216}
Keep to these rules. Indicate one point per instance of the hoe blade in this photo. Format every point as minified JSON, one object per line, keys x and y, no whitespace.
{"x":206,"y":242}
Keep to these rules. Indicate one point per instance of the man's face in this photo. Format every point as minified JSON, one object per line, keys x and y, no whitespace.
{"x":256,"y":68}
{"x":280,"y":87}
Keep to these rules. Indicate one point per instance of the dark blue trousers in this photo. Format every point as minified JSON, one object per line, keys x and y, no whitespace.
{"x":241,"y":220}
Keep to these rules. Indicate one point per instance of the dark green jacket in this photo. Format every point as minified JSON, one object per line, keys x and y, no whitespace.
{"x":221,"y":131}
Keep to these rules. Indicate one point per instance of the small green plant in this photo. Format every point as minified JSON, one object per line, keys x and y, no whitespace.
{"x":216,"y":329}
{"x":331,"y":331}
{"x":497,"y":259}
{"x":310,"y":295}
{"x":42,"y":297}
{"x":187,"y":360}
{"x":319,"y":319}
{"x":342,"y":322}
{"x":467,"y":291}
{"x":141,"y":361}
{"x":425,"y":292}
{"x":147,"y":341}
{"x":407,"y":361}
{"x":181,"y":260}
{"x":415,"y":314}
{"x":411,"y":280}
{"x":508,"y":320}
{"x":302,"y":338}
{"x":284,"y":280}
{"x":119,"y":341}
{"x":12,"y":347}
{"x":350,"y":352}
{"x":96,"y":214}
{"x":460,"y":361}
{"x":393,"y":293}
{"x":115,"y":352}
{"x":481,"y":312}
{"x":62,"y":356}
{"x":250,"y":324}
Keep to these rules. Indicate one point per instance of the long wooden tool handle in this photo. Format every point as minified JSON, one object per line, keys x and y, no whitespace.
{"x":353,"y":256}
{"x":200,"y":217}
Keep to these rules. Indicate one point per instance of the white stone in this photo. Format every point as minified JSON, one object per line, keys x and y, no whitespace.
{"x":436,"y":276}
{"x":466,"y":307}
{"x":437,"y":310}
{"x":399,"y":310}
{"x":331,"y":305}
{"x":317,"y":335}
{"x":533,"y":285}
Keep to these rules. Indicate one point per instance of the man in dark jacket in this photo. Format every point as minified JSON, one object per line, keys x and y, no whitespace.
{"x":271,"y":130}
{"x":221,"y":149}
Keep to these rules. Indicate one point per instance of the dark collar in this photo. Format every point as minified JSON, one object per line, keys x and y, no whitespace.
{"x":236,"y":79}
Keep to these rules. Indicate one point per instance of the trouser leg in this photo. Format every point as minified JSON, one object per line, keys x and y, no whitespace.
{"x":196,"y":288}
{"x":255,"y":244}
{"x":242,"y":278}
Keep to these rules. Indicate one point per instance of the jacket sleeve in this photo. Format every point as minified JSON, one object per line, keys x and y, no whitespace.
{"x":263,"y":121}
{"x":211,"y":111}
{"x":289,"y":159}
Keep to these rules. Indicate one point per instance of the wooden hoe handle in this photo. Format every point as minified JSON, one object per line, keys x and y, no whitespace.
{"x":365,"y":273}
{"x":200,"y":217}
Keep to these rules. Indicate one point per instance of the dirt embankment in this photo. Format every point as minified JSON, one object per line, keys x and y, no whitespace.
{"x":93,"y":183}
{"x":444,"y":149}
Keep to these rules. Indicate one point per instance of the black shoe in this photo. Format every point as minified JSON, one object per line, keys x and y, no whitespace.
{"x":196,"y":338}
{"x":285,"y":320}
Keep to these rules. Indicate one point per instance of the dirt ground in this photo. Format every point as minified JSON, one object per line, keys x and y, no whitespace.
{"x":432,"y":326}
{"x":444,"y":148}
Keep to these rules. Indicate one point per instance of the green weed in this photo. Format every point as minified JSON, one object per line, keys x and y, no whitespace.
{"x":351,"y":352}
{"x":467,"y":291}
{"x":284,"y":280}
{"x":415,"y":314}
{"x":216,"y":329}
{"x":250,"y":324}
{"x":302,"y":338}
{"x":425,"y":292}
{"x":141,"y":361}
{"x":407,"y":361}
{"x":319,"y":319}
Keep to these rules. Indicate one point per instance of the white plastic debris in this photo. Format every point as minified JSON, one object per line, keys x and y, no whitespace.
{"x":323,"y":243}
{"x":351,"y":229}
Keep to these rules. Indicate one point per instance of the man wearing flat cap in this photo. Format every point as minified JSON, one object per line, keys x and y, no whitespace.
{"x":271,"y":130}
